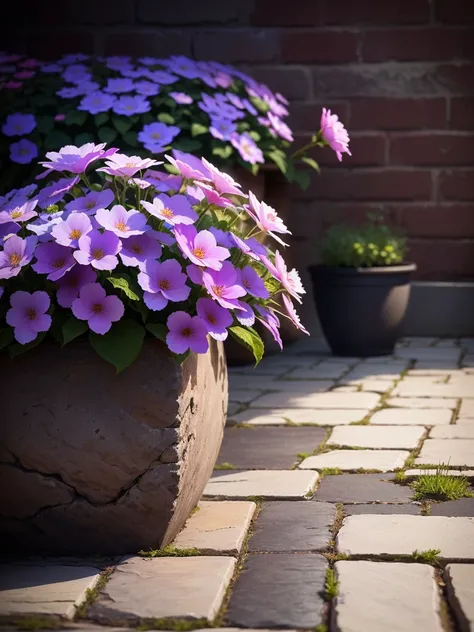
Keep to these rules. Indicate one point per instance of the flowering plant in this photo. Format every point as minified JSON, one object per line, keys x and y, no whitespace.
{"x":145,"y":106}
{"x":110,"y":247}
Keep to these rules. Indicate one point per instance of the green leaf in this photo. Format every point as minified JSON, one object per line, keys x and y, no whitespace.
{"x":279,"y":158}
{"x":56,"y":139}
{"x":120,"y":345}
{"x":123,"y":282}
{"x":17,"y":349}
{"x":158,"y":330}
{"x":82,"y":139}
{"x":131,"y":139}
{"x":255,"y":135}
{"x":181,"y":357}
{"x":6,"y":336}
{"x":73,"y":328}
{"x":250,"y":339}
{"x":187,"y":144}
{"x":121,"y":124}
{"x":302,"y":178}
{"x":223,"y":152}
{"x":107,"y":134}
{"x":45,"y":124}
{"x":197,"y":128}
{"x":75,"y":117}
{"x":100,"y":119}
{"x":311,"y":162}
{"x":164,"y":117}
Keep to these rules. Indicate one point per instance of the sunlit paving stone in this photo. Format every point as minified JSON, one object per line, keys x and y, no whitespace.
{"x":455,"y":452}
{"x":317,"y":400}
{"x":459,"y":580}
{"x":349,"y":460}
{"x":320,"y":417}
{"x":422,"y":402}
{"x":453,"y":431}
{"x":389,"y":437}
{"x":265,"y":483}
{"x":412,"y":417}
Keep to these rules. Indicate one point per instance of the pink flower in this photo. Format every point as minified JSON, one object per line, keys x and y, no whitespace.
{"x":201,"y":248}
{"x":173,"y":210}
{"x":295,"y":319}
{"x":223,"y":286}
{"x":122,"y":222}
{"x":163,"y":282}
{"x":68,"y":232}
{"x":127,"y":166}
{"x":334,"y":133}
{"x":212,"y":196}
{"x":270,"y":320}
{"x":97,"y":308}
{"x":16,"y":253}
{"x":28,"y":315}
{"x":290,"y":280}
{"x":223,"y":182}
{"x":138,"y":249}
{"x":266,"y":218}
{"x":60,"y":117}
{"x":250,"y":280}
{"x":74,"y":159}
{"x":186,"y":332}
{"x":189,"y":166}
{"x":217,"y":318}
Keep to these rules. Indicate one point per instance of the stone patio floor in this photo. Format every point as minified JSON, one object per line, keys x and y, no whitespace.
{"x":303,"y":525}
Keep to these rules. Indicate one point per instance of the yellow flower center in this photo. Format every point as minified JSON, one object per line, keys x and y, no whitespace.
{"x":121,"y":226}
{"x":97,"y":308}
{"x":75,"y":233}
{"x":130,"y":164}
{"x":167,"y":212}
{"x":98,"y":253}
{"x":15,"y":259}
{"x":16,"y":214}
{"x":200,"y":253}
{"x":218,"y":290}
{"x":31,"y":313}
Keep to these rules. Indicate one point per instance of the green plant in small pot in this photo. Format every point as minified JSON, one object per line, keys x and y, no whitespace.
{"x":362,"y":288}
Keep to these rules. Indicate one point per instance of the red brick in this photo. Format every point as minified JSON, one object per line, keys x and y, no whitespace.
{"x":67,"y":13}
{"x":427,"y":44}
{"x":432,"y":149}
{"x":294,"y":13}
{"x":395,"y":114}
{"x":307,"y":116}
{"x":462,"y":113}
{"x":455,"y":11}
{"x":369,"y":184}
{"x":375,"y":11}
{"x":445,"y":221}
{"x":154,"y":43}
{"x":457,"y":184}
{"x":236,"y":45}
{"x":455,"y":78}
{"x":293,"y":83}
{"x":319,"y":47}
{"x":368,"y":150}
{"x":51,"y":46}
{"x":201,"y":12}
{"x":442,"y":259}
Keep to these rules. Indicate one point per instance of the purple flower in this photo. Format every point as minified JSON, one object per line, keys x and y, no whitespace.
{"x":155,"y":136}
{"x":249,"y":107}
{"x":53,"y":260}
{"x":130,"y":105}
{"x":43,"y":227}
{"x":122,"y":222}
{"x":16,"y":253}
{"x":266,"y":218}
{"x":149,"y":61}
{"x":69,"y":231}
{"x":98,"y":250}
{"x":91,"y":202}
{"x":270,"y":320}
{"x":97,"y":308}
{"x":181,"y":97}
{"x":212,"y":196}
{"x":163,"y":282}
{"x":75,"y":159}
{"x":19,"y":124}
{"x":222,"y":182}
{"x":70,"y":284}
{"x":201,"y":248}
{"x":223,"y":238}
{"x":119,"y":85}
{"x":189,"y":166}
{"x":161,"y":77}
{"x":56,"y":191}
{"x":51,"y":68}
{"x":250,"y":247}
{"x":295,"y":319}
{"x":127,"y":166}
{"x":8,"y":229}
{"x":18,"y":213}
{"x":76,"y":73}
{"x":186,"y":332}
{"x":147,"y":88}
{"x":247,"y":148}
{"x":23,"y":152}
{"x":222,"y":128}
{"x":163,"y":181}
{"x":223,"y":285}
{"x":173,"y":210}
{"x":117,"y":62}
{"x":138,"y":249}
{"x":97,"y":102}
{"x":253,"y":283}
{"x":183,"y":66}
{"x":334,"y":133}
{"x":217,"y":318}
{"x":235,"y":100}
{"x":28,"y":315}
{"x":73,"y":58}
{"x":280,"y":127}
{"x":290,"y":280}
{"x":245,"y":315}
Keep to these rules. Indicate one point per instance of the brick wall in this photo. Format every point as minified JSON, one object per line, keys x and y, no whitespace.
{"x":400,"y":75}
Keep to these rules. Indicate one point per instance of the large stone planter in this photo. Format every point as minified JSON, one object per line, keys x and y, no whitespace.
{"x":94,"y":462}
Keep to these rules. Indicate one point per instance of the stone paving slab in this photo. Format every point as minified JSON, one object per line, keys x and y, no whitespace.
{"x":217,"y":527}
{"x":293,"y":526}
{"x":319,"y":372}
{"x":318,"y":400}
{"x":392,"y":437}
{"x":422,"y":470}
{"x":244,"y":382}
{"x":467,"y":409}
{"x":382,"y":508}
{"x":279,"y":591}
{"x":44,"y":589}
{"x":318,"y":417}
{"x":348,"y":460}
{"x":362,"y":488}
{"x":376,"y":386}
{"x":401,"y":535}
{"x":422,"y":402}
{"x":282,"y":484}
{"x":412,"y":417}
{"x":430,"y":353}
{"x":397,"y":597}
{"x":461,"y":507}
{"x":453,"y":431}
{"x":267,"y":448}
{"x":243,"y":397}
{"x":459,"y":580}
{"x":455,"y":452}
{"x":161,"y":587}
{"x":456,"y":390}
{"x":383,"y":372}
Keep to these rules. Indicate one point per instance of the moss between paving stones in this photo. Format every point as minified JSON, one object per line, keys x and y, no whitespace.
{"x":170,"y":551}
{"x":182,"y":625}
{"x":37,"y":622}
{"x":93,"y":593}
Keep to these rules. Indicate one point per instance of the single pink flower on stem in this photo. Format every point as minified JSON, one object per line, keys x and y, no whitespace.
{"x":223,"y":286}
{"x":291,"y":280}
{"x":294,"y":317}
{"x":200,"y":247}
{"x":334,"y":133}
{"x":266,"y":218}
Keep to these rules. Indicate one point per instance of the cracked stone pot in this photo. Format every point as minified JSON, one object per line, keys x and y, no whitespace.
{"x":95,"y":462}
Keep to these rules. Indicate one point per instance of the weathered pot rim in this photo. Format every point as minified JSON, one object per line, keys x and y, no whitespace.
{"x":376,"y":270}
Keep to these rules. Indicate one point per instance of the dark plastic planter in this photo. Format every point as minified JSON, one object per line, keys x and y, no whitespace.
{"x":361,"y":310}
